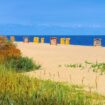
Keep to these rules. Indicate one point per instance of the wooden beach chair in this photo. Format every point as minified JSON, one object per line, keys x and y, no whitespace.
{"x":12,"y":38}
{"x":67,"y":41}
{"x":53,"y":41}
{"x":36,"y":40}
{"x":26,"y":40}
{"x":97,"y":42}
{"x":42,"y":40}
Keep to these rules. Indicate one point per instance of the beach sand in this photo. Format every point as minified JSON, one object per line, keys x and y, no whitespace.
{"x":53,"y":58}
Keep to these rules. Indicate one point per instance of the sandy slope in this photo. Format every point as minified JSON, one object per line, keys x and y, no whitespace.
{"x":50,"y":57}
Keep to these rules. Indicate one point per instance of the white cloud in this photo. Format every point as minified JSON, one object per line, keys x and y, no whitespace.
{"x":67,"y":25}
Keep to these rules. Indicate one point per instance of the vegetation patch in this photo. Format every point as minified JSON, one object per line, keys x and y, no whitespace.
{"x":8,"y":50}
{"x":10,"y":57}
{"x":96,"y":67}
{"x":22,"y":64}
{"x":17,"y":89}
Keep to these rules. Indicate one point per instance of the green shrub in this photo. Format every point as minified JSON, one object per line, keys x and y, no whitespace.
{"x":22,"y":64}
{"x":11,"y":57}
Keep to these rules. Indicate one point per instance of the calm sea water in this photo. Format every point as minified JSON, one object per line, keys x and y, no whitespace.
{"x":84,"y":40}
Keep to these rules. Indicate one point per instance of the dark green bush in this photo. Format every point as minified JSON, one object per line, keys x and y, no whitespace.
{"x":22,"y":64}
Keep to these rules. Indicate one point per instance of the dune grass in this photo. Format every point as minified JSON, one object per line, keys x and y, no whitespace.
{"x":95,"y":67}
{"x":18,"y":89}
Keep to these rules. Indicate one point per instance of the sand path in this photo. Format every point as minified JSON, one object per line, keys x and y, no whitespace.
{"x":53,"y":58}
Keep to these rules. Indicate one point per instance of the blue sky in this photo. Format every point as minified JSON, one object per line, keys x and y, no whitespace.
{"x":38,"y":17}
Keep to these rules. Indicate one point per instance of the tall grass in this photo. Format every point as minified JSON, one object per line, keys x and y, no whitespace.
{"x":17,"y":89}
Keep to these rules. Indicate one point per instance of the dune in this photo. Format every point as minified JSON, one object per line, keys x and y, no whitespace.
{"x":53,"y":58}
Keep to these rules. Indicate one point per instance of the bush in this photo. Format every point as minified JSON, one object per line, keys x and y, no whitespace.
{"x":22,"y":64}
{"x":8,"y":50}
{"x":11,"y":57}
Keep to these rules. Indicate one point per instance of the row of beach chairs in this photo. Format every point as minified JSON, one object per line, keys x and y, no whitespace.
{"x":54,"y":41}
{"x":36,"y":40}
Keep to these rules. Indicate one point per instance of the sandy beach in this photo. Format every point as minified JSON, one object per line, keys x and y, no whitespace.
{"x":53,"y":58}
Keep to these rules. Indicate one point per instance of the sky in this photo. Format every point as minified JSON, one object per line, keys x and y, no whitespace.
{"x":52,"y":17}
